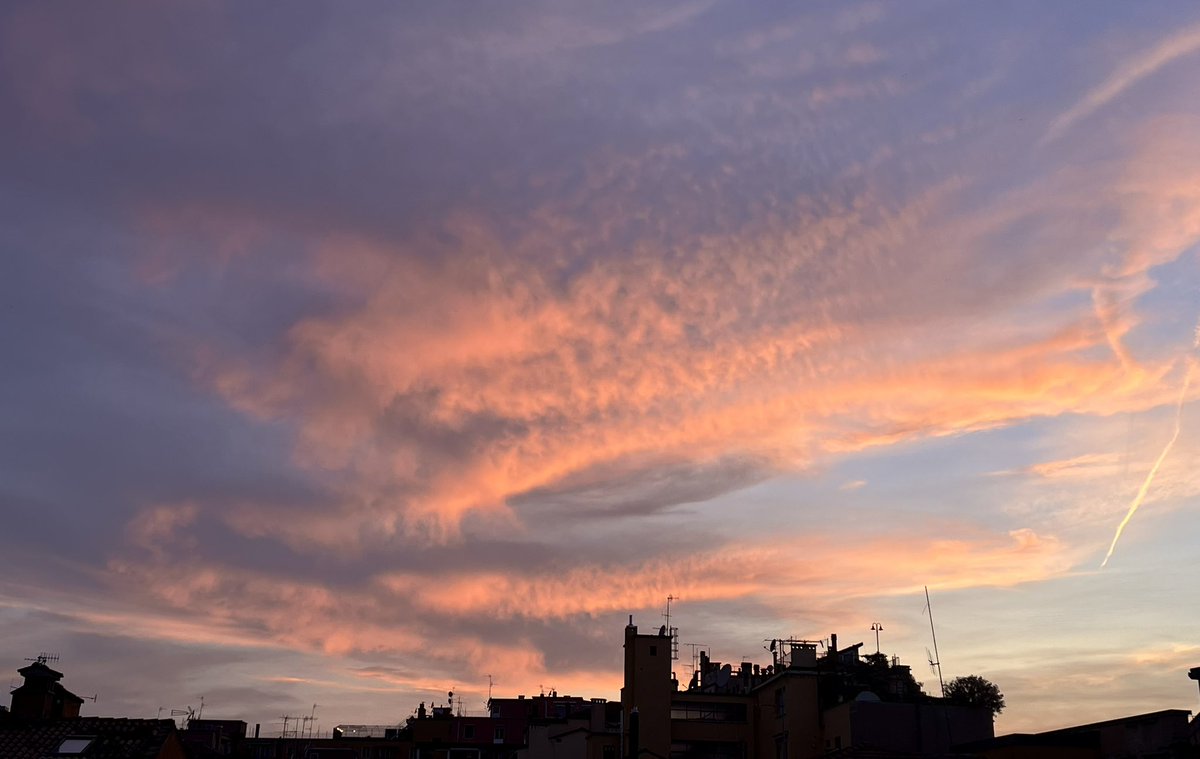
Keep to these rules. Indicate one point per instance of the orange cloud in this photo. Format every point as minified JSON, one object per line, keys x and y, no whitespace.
{"x":1086,"y":465}
{"x":395,"y":614}
{"x":464,"y":383}
{"x":471,"y":377}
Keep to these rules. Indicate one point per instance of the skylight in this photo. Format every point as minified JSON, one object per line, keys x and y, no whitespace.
{"x":71,"y":746}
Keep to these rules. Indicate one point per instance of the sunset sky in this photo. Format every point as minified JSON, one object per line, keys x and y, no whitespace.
{"x":353,"y":353}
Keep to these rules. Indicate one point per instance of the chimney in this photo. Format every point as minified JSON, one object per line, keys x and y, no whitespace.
{"x":41,"y":696}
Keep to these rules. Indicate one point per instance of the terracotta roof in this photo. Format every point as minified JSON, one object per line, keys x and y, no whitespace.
{"x":112,"y":738}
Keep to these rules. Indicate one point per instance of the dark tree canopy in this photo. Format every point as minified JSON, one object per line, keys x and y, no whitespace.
{"x":973,"y":690}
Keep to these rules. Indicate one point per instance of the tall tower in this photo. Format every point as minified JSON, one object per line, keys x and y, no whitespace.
{"x":648,"y":689}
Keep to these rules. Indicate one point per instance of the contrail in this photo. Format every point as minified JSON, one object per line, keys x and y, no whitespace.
{"x":1141,"y":494}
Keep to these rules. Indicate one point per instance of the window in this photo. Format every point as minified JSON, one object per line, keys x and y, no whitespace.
{"x":499,"y":735}
{"x":468,"y":731}
{"x":781,"y":746}
{"x":654,"y":650}
{"x":780,"y":702}
{"x":699,"y":711}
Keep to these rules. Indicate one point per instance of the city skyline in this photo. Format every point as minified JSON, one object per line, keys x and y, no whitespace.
{"x":355,"y":355}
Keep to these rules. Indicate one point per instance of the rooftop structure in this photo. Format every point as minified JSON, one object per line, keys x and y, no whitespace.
{"x":806,"y":703}
{"x":42,"y":696}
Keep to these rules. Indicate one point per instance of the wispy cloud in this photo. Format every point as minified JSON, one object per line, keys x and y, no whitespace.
{"x":1183,"y":43}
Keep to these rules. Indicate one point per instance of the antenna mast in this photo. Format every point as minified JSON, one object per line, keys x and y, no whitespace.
{"x":933,"y":632}
{"x":672,"y":632}
{"x":307,"y":724}
{"x":695,"y":655}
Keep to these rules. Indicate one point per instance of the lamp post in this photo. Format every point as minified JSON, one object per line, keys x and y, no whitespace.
{"x":876,"y":627}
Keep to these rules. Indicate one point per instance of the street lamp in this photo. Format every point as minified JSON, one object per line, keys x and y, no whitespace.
{"x":876,"y":627}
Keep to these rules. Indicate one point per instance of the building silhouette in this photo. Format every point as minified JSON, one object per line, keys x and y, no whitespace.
{"x":41,"y":696}
{"x":815,"y":699}
{"x":805,"y":704}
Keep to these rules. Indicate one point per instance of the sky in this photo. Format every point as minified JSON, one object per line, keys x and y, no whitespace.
{"x":354,"y":354}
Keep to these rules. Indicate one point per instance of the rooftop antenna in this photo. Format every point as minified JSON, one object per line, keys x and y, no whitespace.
{"x":43,"y":658}
{"x":672,"y":632}
{"x":200,"y":713}
{"x":696,"y":655}
{"x":306,"y":723}
{"x":932,"y":663}
{"x":489,"y":677}
{"x":182,"y":713}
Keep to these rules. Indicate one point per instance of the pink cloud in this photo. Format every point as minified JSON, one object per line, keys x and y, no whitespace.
{"x":467,"y":379}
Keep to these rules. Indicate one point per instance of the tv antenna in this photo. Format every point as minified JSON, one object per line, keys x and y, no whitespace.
{"x":43,"y":658}
{"x":307,"y":723}
{"x":188,"y":712}
{"x":489,"y":677}
{"x":671,"y":632}
{"x":696,"y":655}
{"x":935,"y":660}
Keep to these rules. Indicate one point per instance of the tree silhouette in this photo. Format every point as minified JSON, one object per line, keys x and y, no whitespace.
{"x":973,"y":690}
